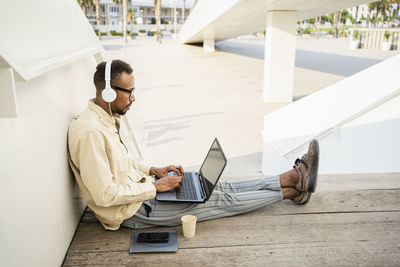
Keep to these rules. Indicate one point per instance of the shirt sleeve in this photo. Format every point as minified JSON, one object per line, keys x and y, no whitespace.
{"x":141,"y":166}
{"x":98,"y":178}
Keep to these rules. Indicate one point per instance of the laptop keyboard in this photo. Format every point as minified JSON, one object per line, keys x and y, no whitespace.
{"x":187,"y":190}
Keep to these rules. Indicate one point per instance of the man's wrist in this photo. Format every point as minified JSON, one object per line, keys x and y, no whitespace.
{"x":155,"y":185}
{"x":153,"y":171}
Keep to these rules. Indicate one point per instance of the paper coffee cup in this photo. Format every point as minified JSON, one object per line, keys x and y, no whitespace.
{"x":189,"y":225}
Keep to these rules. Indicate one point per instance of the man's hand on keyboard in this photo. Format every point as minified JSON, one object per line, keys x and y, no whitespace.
{"x":163,"y":171}
{"x":168,"y":183}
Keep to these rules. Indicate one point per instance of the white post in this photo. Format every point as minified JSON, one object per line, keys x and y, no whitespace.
{"x":208,"y":41}
{"x":280,"y":52}
{"x":174,"y":35}
{"x":208,"y":45}
{"x":124,"y":18}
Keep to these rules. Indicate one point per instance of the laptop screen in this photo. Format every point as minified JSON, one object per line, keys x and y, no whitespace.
{"x":213,"y":166}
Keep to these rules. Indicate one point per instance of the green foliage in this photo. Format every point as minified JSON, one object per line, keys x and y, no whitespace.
{"x":330,"y":31}
{"x":85,"y":2}
{"x":344,"y":15}
{"x":172,"y":30}
{"x":119,"y":2}
{"x":142,"y":31}
{"x":114,"y":33}
{"x":311,"y":21}
{"x":153,"y":20}
{"x":102,"y":34}
{"x":343,"y":34}
{"x":381,"y":7}
{"x":356,"y":33}
{"x":306,"y":31}
{"x":164,"y":21}
{"x":386,"y":35}
{"x":324,"y":19}
{"x":392,"y":18}
{"x":331,"y":15}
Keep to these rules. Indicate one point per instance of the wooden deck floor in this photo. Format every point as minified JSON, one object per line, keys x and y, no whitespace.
{"x":351,"y":220}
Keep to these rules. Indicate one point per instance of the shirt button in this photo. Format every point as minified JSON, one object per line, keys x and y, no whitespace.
{"x":143,"y":180}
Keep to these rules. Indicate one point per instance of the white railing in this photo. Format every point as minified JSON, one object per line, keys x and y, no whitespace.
{"x":373,"y":38}
{"x":137,"y":27}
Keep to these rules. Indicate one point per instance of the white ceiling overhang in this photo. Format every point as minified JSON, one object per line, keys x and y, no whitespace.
{"x":229,"y":18}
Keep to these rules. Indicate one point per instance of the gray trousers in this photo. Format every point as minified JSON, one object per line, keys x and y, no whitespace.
{"x":227,"y":199}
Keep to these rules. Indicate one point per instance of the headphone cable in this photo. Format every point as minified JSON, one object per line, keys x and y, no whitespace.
{"x":109,"y":106}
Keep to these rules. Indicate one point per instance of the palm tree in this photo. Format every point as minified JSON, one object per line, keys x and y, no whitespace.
{"x":335,"y":24}
{"x":131,"y":15}
{"x":371,"y":7}
{"x":157,"y":11}
{"x":194,"y":4}
{"x":318,"y":27}
{"x":380,"y":7}
{"x":124,"y":16}
{"x":124,"y":19}
{"x":397,"y":2}
{"x":97,"y":3}
{"x":183,"y":11}
{"x":356,"y":19}
{"x":384,"y":7}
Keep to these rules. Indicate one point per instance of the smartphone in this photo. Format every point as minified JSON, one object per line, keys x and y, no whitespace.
{"x":156,"y":237}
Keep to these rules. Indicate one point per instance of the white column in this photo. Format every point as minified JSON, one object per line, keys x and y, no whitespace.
{"x":209,"y":40}
{"x":280,"y":51}
{"x":209,"y":45}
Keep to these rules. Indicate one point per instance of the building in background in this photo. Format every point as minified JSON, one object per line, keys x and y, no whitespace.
{"x":142,"y":11}
{"x":362,"y":12}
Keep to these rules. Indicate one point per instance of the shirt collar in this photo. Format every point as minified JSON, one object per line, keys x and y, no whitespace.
{"x":103,"y":115}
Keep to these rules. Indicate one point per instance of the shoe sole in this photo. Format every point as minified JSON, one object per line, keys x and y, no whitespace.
{"x":314,"y":170}
{"x":305,"y":201}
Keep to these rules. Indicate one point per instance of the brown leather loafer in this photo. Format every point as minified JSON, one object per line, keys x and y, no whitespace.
{"x":302,"y":198}
{"x":307,"y":168}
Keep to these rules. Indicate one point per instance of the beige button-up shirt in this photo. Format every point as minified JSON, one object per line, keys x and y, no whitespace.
{"x":112,"y":184}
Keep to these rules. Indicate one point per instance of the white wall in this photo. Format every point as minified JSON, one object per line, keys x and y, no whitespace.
{"x":49,"y":46}
{"x":40,"y":204}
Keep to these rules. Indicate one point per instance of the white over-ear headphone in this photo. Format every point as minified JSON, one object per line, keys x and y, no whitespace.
{"x":108,"y":94}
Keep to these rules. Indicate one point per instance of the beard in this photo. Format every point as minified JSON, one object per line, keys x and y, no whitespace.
{"x":123,"y":112}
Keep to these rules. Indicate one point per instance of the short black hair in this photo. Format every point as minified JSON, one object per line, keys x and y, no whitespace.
{"x":117,"y":67}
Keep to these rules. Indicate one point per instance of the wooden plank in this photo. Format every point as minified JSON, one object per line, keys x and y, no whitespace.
{"x":260,"y":230}
{"x":356,"y":253}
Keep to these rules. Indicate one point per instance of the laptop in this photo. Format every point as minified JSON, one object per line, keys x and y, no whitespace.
{"x":198,"y":186}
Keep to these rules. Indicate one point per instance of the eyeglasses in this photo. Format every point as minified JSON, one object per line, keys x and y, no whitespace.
{"x":131,"y":92}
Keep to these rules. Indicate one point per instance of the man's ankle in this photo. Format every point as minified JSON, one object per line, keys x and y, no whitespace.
{"x":294,"y":176}
{"x":289,"y":179}
{"x":290,"y":192}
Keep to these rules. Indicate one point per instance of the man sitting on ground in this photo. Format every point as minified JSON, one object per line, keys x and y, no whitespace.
{"x":121,"y":191}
